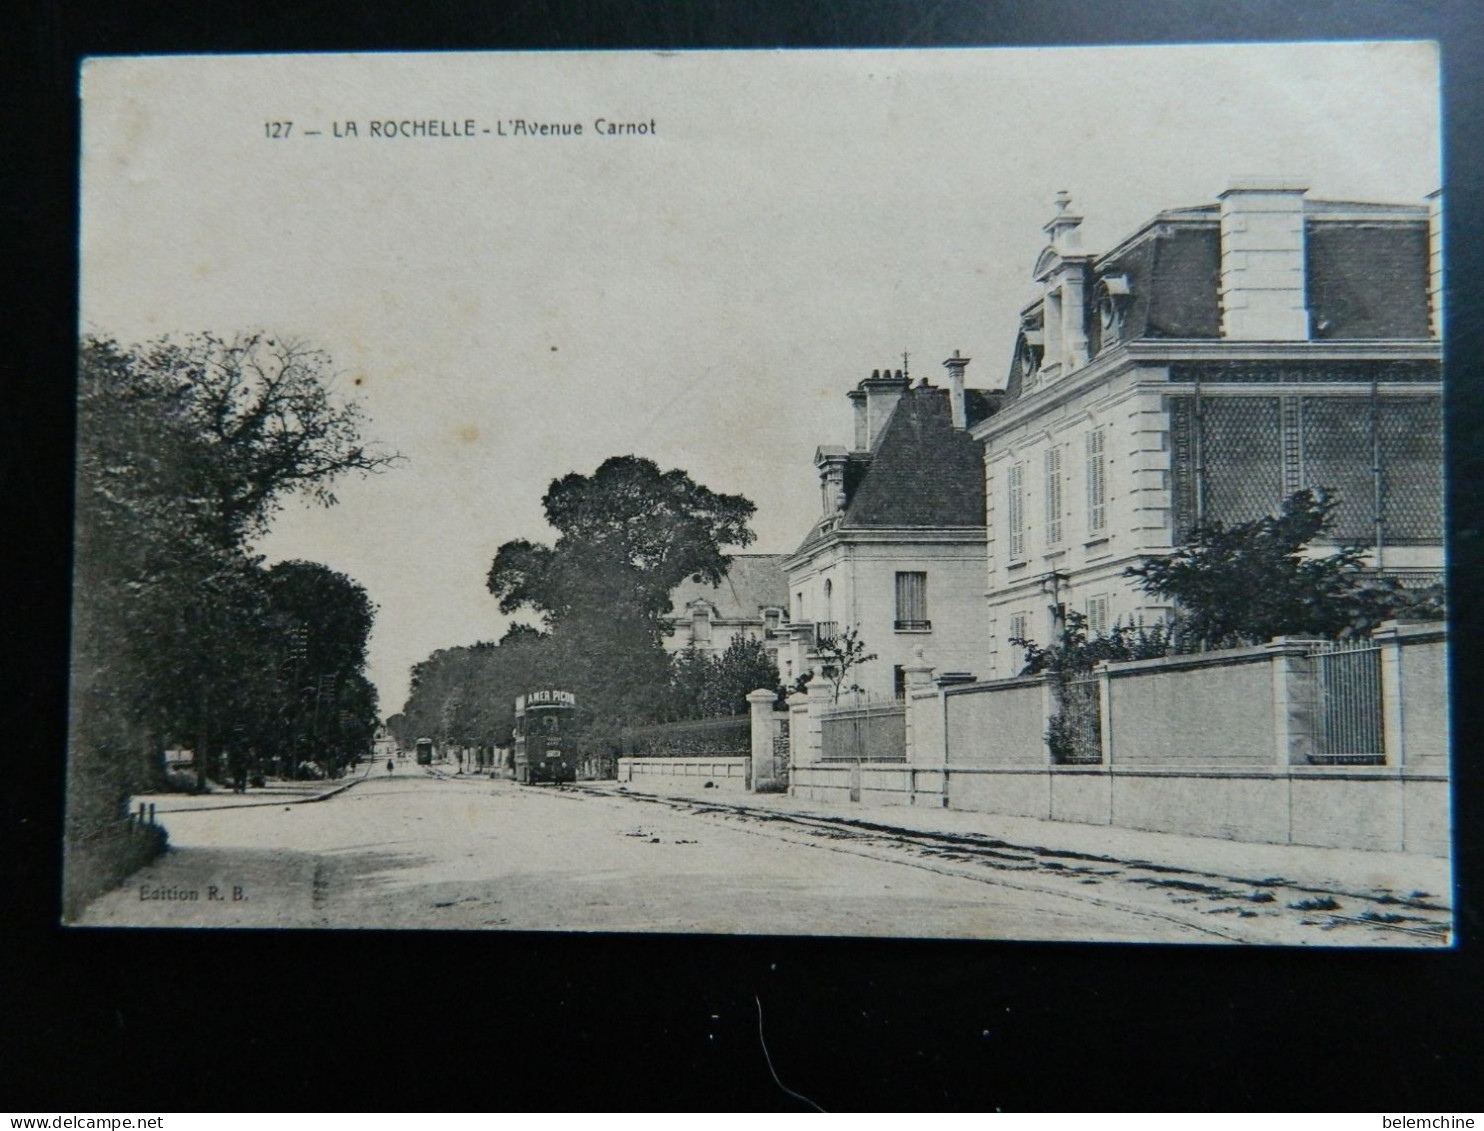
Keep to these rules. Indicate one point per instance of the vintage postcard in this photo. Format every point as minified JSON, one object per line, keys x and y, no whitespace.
{"x":929,"y":493}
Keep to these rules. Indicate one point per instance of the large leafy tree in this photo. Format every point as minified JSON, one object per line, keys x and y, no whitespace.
{"x":321,"y":623}
{"x":1252,"y":581}
{"x":186,"y":449}
{"x":626,"y":536}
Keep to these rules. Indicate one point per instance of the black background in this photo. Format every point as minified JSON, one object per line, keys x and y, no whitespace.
{"x":153,"y":1021}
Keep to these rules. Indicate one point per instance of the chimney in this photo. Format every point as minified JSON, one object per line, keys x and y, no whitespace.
{"x":858,"y":405}
{"x":1435,"y":261}
{"x":1062,"y":273}
{"x":1262,"y":260}
{"x":956,"y":366}
{"x":882,"y":390}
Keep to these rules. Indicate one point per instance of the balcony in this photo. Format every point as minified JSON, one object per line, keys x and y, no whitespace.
{"x":825,"y":631}
{"x":913,"y":625}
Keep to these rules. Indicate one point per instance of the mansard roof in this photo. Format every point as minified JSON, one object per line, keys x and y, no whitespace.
{"x":753,"y":583}
{"x":1367,"y":277}
{"x":923,"y":472}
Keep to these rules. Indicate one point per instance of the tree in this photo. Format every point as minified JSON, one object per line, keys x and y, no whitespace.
{"x":627,"y":535}
{"x":322,"y":620}
{"x":707,"y":687}
{"x":1252,"y":581}
{"x":1076,"y":652}
{"x":841,"y":654}
{"x":186,"y":449}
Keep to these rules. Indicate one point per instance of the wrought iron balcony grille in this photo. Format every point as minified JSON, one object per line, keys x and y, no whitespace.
{"x":914,"y":626}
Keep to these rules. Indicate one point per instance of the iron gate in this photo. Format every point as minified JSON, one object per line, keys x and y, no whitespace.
{"x":1347,"y":705}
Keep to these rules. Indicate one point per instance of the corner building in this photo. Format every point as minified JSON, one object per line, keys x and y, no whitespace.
{"x":898,"y":550}
{"x":1220,"y":358}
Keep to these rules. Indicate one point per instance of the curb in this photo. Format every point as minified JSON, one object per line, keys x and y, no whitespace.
{"x":325,"y":796}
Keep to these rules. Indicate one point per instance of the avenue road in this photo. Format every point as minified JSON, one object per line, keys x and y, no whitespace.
{"x":420,"y":848}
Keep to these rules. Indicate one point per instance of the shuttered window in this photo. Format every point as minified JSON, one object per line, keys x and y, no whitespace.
{"x":912,"y":614}
{"x":1097,"y":616}
{"x":1053,"y":495}
{"x":1097,"y":483}
{"x":1018,"y":624}
{"x":1017,"y":511}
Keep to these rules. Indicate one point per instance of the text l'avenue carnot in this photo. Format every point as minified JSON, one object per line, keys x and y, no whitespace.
{"x":392,"y":129}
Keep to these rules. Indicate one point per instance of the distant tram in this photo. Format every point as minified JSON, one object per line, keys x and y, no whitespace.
{"x":424,"y":751}
{"x":545,"y":737}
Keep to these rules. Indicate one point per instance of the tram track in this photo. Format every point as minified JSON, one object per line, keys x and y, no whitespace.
{"x":1067,"y":874}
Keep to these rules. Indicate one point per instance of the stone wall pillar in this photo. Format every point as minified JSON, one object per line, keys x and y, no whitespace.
{"x":1105,"y":711}
{"x":916,"y":676}
{"x":764,"y":734}
{"x":1293,"y":698}
{"x":820,"y":694}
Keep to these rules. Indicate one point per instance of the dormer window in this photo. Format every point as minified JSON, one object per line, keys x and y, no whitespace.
{"x":1113,"y":294}
{"x":1031,"y":349}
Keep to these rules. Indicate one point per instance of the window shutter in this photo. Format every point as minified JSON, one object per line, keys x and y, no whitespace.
{"x":1053,"y":494}
{"x":1097,"y":483}
{"x":1017,"y":511}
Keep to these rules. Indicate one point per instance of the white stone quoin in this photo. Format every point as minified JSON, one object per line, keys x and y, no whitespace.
{"x":1262,"y":260}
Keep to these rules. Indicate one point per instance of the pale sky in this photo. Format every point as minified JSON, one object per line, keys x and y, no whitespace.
{"x":516,"y":307}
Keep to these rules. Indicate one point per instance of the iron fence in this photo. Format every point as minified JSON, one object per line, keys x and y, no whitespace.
{"x":1347,"y":704}
{"x":866,"y":731}
{"x":1076,"y":731}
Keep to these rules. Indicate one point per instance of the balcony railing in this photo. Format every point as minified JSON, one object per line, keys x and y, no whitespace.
{"x":914,"y":626}
{"x":825,"y":631}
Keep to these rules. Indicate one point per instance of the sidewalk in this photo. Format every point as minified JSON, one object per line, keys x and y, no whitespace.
{"x":274,"y":793}
{"x":1331,"y":870}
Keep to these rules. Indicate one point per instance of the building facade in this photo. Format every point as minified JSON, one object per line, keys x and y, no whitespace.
{"x":898,"y":553}
{"x":751,"y":603}
{"x":1217,"y":360}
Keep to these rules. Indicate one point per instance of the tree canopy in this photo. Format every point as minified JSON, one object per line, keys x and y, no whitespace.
{"x":186,"y":449}
{"x":626,"y":536}
{"x":1253,"y":581}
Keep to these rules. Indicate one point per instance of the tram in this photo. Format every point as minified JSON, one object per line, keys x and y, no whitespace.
{"x":424,"y":751}
{"x":545,"y":737}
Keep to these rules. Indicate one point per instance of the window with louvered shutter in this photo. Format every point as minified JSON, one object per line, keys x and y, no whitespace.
{"x":1017,"y":511}
{"x":1097,"y":483}
{"x":1053,"y":495}
{"x":1018,"y":625}
{"x":1097,"y":616}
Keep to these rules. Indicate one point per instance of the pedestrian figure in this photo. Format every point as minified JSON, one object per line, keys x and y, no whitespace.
{"x":390,"y":765}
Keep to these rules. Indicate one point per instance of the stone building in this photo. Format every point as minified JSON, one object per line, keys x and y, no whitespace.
{"x":1216,"y":360}
{"x":898,"y":551}
{"x":750,"y":603}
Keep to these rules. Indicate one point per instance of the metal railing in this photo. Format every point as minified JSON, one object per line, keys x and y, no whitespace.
{"x":1076,"y":731}
{"x":1347,"y":705}
{"x":914,"y":625}
{"x":866,"y":731}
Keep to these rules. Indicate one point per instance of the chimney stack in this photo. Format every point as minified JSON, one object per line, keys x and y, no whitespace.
{"x":881,"y":391}
{"x":956,"y":366}
{"x":1262,"y":260}
{"x":862,"y":433}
